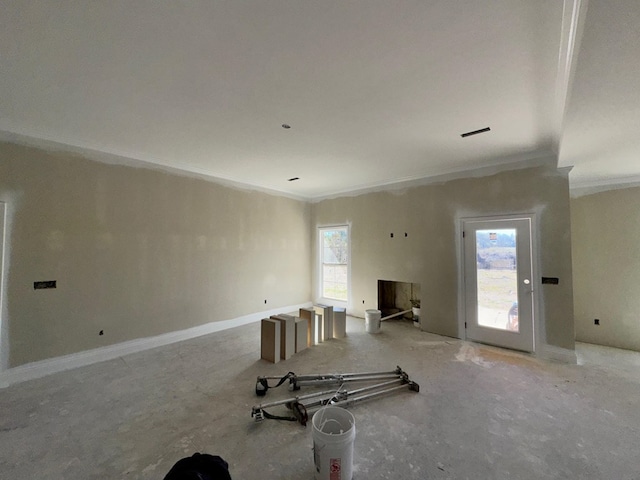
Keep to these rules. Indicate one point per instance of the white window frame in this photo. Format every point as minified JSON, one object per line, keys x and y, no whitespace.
{"x":320,"y":293}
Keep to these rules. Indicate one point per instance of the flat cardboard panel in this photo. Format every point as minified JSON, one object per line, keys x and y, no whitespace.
{"x":339,"y":322}
{"x":302,"y":328}
{"x":270,"y":340}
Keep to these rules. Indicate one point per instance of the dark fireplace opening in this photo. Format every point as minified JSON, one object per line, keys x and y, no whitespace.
{"x":395,"y":297}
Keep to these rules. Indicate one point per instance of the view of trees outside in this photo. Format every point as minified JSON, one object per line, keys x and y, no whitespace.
{"x":497,"y":276}
{"x":335,"y":252}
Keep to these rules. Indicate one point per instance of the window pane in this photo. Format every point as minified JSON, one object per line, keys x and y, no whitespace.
{"x":334,"y":263}
{"x":497,"y":273}
{"x":335,"y":282}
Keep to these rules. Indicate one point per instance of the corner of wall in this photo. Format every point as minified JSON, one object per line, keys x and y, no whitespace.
{"x":557,"y":354}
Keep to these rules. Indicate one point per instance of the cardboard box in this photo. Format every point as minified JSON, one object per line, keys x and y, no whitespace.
{"x":326,"y":324}
{"x":287,"y":335}
{"x":270,"y":340}
{"x":339,"y":322}
{"x":302,"y":327}
{"x":309,"y":314}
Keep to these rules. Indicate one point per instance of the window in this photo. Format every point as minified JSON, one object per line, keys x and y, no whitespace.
{"x":334,"y":258}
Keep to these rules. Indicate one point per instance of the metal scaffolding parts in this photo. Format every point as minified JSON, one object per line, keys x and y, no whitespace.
{"x":297,"y":381}
{"x":300,"y":405}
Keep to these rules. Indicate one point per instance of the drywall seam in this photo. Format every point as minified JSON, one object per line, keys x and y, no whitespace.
{"x":43,"y":368}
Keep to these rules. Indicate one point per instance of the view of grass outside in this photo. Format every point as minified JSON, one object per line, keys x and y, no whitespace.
{"x":335,"y":282}
{"x":497,"y":289}
{"x":497,"y":280}
{"x":335,"y":250}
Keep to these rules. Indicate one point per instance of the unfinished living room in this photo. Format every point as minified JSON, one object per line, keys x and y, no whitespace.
{"x":421,"y":217}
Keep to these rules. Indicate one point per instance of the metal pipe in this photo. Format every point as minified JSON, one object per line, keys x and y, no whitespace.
{"x":340,"y":379}
{"x":295,"y":399}
{"x":339,"y":391}
{"x":394,"y":315}
{"x":351,"y":401}
{"x":398,"y":370}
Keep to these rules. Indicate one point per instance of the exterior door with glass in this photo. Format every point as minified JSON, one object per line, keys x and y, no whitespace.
{"x":498,"y":267}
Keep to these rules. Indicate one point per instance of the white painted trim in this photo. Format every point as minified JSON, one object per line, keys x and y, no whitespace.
{"x":589,"y":188}
{"x":462,"y":289}
{"x":558,"y":354}
{"x":528,"y":160}
{"x":4,"y":344}
{"x":319,"y":279}
{"x":573,"y":16}
{"x":43,"y":368}
{"x":97,"y":153}
{"x":539,"y":318}
{"x":129,"y":159}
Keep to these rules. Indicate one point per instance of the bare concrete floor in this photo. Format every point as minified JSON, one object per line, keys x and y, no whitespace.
{"x":482,"y":412}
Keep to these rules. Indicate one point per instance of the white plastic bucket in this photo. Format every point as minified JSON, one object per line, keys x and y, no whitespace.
{"x":372,"y":320}
{"x":334,"y":432}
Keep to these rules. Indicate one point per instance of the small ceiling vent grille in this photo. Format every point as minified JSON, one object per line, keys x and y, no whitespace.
{"x":475,"y":132}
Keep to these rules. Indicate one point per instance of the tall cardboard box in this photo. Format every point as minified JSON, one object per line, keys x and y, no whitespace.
{"x":309,"y":314}
{"x":301,"y":334}
{"x":287,"y":335}
{"x":326,"y":325}
{"x":339,"y":322}
{"x":270,"y":340}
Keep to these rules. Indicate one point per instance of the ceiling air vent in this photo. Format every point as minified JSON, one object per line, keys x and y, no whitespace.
{"x":475,"y":132}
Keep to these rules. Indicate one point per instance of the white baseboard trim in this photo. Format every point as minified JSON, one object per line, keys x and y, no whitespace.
{"x":43,"y":368}
{"x":558,"y":354}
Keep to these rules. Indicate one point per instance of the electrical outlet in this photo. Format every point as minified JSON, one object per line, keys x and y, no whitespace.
{"x":596,"y":321}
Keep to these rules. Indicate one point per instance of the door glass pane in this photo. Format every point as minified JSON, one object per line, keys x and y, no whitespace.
{"x":497,"y":274}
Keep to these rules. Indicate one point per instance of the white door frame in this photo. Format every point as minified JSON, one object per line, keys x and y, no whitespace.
{"x":535,"y":283}
{"x":3,"y":341}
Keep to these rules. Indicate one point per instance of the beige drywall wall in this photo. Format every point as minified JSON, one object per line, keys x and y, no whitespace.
{"x":430,"y":253}
{"x":137,"y":252}
{"x":606,"y":266}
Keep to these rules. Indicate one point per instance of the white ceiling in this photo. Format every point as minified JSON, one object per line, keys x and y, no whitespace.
{"x":601,"y":134}
{"x":376,"y":92}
